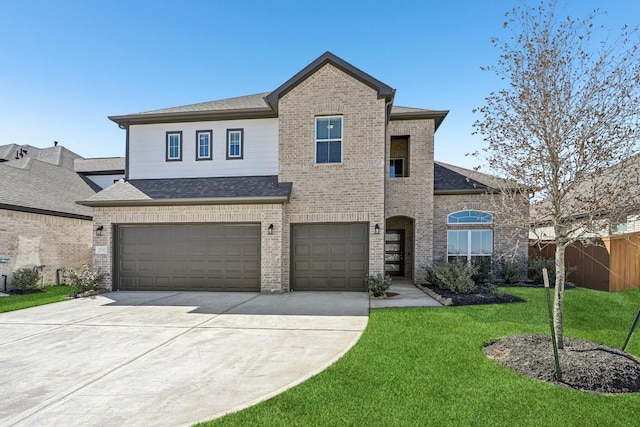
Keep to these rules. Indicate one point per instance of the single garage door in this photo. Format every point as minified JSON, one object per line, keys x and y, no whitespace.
{"x":329,"y":257}
{"x":186,"y":257}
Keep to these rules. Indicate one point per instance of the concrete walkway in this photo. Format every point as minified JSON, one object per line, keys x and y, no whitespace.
{"x":166,"y":358}
{"x":403,"y":293}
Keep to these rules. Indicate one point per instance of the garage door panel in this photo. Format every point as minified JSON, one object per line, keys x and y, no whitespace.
{"x":329,"y":256}
{"x":214,"y":257}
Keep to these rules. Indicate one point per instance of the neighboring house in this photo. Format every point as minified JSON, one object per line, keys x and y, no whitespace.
{"x":606,"y":255}
{"x":309,"y":187}
{"x":41,"y":225}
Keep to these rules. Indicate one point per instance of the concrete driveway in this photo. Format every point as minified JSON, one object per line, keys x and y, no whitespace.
{"x":166,"y":358}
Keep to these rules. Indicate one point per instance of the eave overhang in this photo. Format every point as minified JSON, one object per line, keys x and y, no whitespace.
{"x":189,"y":202}
{"x":192,"y":116}
{"x":436,"y":115}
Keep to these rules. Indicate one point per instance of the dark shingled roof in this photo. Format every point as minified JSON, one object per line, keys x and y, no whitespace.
{"x":201,"y":188}
{"x":178,"y":191}
{"x":447,"y":180}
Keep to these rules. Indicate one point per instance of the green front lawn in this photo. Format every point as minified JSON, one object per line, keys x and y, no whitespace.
{"x":50,"y":294}
{"x":425,"y":366}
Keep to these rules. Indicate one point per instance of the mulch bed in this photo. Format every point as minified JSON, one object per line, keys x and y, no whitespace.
{"x":585,"y":365}
{"x":484,"y":293}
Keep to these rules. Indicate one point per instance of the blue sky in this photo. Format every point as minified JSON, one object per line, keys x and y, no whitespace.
{"x":67,"y":65}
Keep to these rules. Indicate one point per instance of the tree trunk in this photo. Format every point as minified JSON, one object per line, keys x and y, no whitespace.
{"x":559,"y":295}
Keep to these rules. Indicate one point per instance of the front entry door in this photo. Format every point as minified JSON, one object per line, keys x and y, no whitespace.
{"x":394,"y":253}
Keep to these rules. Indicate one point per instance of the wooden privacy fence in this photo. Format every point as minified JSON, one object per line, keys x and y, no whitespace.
{"x":612,"y":264}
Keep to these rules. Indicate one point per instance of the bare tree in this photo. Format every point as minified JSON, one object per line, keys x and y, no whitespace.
{"x":565,"y":125}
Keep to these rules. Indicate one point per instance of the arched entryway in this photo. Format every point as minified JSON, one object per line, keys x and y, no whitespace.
{"x":399,"y":247}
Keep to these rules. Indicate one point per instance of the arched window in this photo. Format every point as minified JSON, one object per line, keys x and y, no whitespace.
{"x":473,"y":244}
{"x":470,"y":217}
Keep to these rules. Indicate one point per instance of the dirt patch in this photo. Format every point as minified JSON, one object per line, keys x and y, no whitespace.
{"x":585,"y":365}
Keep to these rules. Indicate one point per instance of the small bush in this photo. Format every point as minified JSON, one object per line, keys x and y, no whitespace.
{"x":378,"y":284}
{"x":483,"y":269}
{"x":455,"y":276}
{"x":25,"y":278}
{"x":512,"y":270}
{"x":84,"y":280}
{"x":537,"y":264}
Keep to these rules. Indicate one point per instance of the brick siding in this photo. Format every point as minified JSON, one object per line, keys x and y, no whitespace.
{"x":351,"y":191}
{"x":412,"y":197}
{"x":30,"y":239}
{"x":506,"y":240}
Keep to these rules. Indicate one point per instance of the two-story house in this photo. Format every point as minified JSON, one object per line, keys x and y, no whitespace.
{"x":312,"y":186}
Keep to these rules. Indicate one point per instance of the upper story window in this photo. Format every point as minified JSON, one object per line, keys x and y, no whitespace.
{"x":174,"y":146}
{"x":470,"y":217}
{"x":234,"y":143}
{"x":399,"y":157}
{"x":329,"y":139}
{"x":396,"y":168}
{"x":203,"y":144}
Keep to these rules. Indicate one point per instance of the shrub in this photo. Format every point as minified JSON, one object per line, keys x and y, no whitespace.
{"x":378,"y":284}
{"x":25,"y":278}
{"x":84,"y":280}
{"x":537,"y":264}
{"x":455,"y":276}
{"x":483,"y":269}
{"x":512,"y":270}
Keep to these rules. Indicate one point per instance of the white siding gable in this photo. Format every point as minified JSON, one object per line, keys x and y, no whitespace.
{"x":147,"y":150}
{"x":105,"y":181}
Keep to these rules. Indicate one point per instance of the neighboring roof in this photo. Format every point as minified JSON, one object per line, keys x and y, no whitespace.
{"x":35,"y":186}
{"x":180,"y":191}
{"x":265,"y":105}
{"x":383,"y":90}
{"x":450,"y":179}
{"x":49,"y":180}
{"x":7,"y":152}
{"x":99,"y":165}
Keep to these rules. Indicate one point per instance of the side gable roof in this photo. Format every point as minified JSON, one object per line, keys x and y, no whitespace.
{"x":265,"y":105}
{"x":450,"y":179}
{"x":383,"y":90}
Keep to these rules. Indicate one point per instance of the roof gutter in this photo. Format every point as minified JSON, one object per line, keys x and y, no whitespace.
{"x":192,"y":116}
{"x":436,"y":115}
{"x":44,"y":212}
{"x":192,"y":201}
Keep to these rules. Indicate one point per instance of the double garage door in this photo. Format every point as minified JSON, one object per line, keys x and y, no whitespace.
{"x":199,"y":257}
{"x":226,"y":257}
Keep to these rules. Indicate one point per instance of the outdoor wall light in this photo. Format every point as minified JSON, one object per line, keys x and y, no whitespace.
{"x":270,"y":229}
{"x":377,"y":229}
{"x":99,"y":230}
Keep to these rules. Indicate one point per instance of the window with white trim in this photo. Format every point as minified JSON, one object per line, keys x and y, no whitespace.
{"x":174,"y":146}
{"x":329,"y":139}
{"x":234,"y":143}
{"x":469,"y":245}
{"x":203,"y":145}
{"x":473,"y":245}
